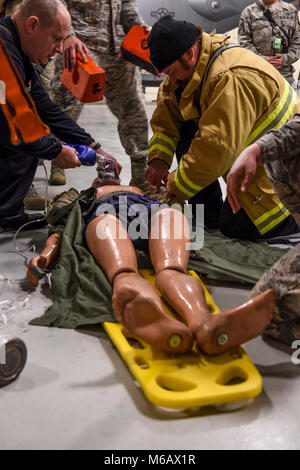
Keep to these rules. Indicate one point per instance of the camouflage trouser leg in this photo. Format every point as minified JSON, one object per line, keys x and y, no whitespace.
{"x":124,"y":96}
{"x":284,"y":276}
{"x":47,"y":76}
{"x":46,"y":79}
{"x":284,"y":176}
{"x":289,"y":78}
{"x":60,"y":95}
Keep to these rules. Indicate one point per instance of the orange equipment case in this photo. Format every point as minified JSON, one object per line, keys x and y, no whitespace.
{"x":134,"y":48}
{"x":86,"y":82}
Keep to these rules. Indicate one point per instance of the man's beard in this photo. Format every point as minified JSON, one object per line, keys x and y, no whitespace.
{"x":186,"y":66}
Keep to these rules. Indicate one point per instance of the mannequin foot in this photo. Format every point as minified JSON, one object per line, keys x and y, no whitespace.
{"x":236,"y":326}
{"x":186,"y":295}
{"x":138,"y":307}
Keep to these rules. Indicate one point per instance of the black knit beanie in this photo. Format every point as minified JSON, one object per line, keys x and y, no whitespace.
{"x":169,"y":40}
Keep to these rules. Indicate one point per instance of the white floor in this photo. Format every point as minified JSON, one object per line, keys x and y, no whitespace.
{"x":75,"y":391}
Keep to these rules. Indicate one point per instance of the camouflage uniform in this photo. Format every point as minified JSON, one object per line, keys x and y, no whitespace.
{"x":102,"y":25}
{"x":281,"y":155}
{"x":46,"y":77}
{"x":256,"y":33}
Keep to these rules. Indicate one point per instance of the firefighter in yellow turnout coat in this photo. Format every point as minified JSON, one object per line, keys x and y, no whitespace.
{"x":216,"y":100}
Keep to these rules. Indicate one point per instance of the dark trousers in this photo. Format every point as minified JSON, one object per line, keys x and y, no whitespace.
{"x":16,"y":175}
{"x":218,"y":213}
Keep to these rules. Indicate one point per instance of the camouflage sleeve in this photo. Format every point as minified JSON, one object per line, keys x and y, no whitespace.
{"x":130,"y":14}
{"x":282,"y":143}
{"x":245,"y":33}
{"x":293,"y":53}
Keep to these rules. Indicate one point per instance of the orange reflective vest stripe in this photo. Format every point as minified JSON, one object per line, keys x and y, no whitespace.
{"x":23,"y":120}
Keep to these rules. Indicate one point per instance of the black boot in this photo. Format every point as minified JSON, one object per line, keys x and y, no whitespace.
{"x":12,"y":224}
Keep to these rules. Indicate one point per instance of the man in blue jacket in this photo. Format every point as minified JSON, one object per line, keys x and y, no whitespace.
{"x":33,"y":35}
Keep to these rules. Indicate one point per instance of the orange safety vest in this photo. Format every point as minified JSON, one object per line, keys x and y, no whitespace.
{"x":19,"y":110}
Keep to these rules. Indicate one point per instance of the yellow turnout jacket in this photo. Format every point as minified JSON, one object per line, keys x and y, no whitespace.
{"x":243,"y":96}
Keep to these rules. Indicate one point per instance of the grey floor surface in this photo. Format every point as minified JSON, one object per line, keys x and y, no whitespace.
{"x":75,"y":391}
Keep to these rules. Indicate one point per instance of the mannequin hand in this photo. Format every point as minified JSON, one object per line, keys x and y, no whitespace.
{"x":38,"y":261}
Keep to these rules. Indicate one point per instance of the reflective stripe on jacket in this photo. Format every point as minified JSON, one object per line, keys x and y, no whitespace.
{"x":242,"y":98}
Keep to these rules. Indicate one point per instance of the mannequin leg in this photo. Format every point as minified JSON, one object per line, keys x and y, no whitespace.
{"x":136,"y":303}
{"x":170,"y":254}
{"x":214,"y":333}
{"x":236,"y":326}
{"x":111,"y":246}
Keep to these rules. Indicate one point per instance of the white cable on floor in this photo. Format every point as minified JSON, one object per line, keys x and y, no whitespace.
{"x":10,"y":306}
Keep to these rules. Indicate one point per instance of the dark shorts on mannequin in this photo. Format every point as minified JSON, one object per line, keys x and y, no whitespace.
{"x":127,"y":207}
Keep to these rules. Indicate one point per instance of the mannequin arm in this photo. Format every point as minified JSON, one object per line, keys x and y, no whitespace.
{"x":47,"y":257}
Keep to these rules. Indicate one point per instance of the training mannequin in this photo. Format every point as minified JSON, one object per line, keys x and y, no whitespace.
{"x":136,"y":303}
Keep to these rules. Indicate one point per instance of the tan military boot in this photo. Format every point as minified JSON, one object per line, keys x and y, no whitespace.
{"x":33,"y":201}
{"x":65,"y":198}
{"x":138,"y":169}
{"x":58,"y":176}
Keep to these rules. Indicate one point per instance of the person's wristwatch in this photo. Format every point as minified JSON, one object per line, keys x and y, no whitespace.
{"x":96,"y":146}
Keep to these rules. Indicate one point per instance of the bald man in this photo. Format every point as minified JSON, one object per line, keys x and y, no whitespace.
{"x":32,"y":35}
